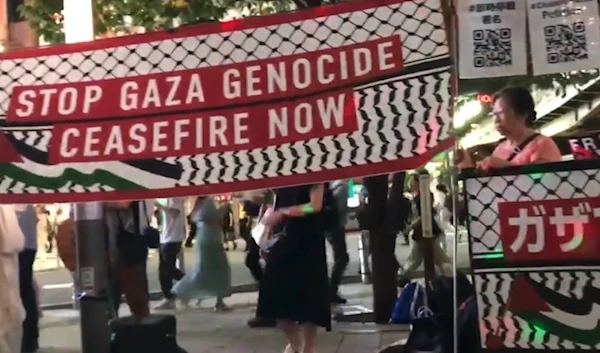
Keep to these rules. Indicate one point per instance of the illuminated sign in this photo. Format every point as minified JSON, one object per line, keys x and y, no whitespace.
{"x":485,"y":98}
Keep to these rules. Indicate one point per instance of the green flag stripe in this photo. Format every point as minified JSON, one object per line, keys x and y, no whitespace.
{"x":76,"y":177}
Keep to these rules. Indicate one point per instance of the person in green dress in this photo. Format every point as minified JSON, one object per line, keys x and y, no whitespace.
{"x":211,"y":276}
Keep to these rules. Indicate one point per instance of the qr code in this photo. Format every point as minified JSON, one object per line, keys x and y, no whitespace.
{"x":492,"y":47}
{"x":565,"y":43}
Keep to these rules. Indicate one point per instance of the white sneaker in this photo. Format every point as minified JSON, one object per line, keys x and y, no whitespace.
{"x":289,"y":349}
{"x":167,"y":304}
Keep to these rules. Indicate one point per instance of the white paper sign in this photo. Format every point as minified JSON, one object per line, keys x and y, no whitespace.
{"x":564,"y":35}
{"x":491,"y":38}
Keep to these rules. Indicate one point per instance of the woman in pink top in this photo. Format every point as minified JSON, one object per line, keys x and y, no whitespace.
{"x":514,"y":115}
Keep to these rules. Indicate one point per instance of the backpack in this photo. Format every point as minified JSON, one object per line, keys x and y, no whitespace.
{"x":65,"y":244}
{"x":410,"y":301}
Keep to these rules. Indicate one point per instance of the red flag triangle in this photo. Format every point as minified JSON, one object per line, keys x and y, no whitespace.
{"x":523,"y":298}
{"x":8,"y":154}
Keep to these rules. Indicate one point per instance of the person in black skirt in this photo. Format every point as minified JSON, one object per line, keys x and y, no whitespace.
{"x":294,"y":289}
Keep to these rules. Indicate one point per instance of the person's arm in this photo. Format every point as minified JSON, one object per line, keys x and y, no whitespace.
{"x":313,"y":206}
{"x":172,"y":207}
{"x":413,"y":224}
{"x":445,"y":216}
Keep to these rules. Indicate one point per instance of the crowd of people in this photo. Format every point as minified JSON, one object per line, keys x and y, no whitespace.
{"x":296,"y":292}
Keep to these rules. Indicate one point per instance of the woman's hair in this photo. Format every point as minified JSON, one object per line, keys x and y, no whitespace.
{"x":521,"y":102}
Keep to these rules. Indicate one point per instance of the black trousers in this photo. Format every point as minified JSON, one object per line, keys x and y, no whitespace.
{"x":253,"y":259}
{"x":30,"y":325}
{"x":337,"y":240}
{"x":167,"y":268}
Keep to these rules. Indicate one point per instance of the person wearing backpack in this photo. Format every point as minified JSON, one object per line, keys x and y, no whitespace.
{"x":337,"y":197}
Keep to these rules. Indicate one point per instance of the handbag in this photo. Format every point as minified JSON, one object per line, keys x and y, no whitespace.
{"x":261,"y":234}
{"x":425,"y":336}
{"x":151,"y":235}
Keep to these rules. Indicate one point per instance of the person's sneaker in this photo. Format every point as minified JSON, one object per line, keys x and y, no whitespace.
{"x":289,"y":349}
{"x":257,"y":322}
{"x":336,"y":299}
{"x":167,"y":304}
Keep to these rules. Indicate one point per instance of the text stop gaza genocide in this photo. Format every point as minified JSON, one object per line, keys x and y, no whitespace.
{"x":212,"y":109}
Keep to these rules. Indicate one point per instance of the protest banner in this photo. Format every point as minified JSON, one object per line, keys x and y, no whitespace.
{"x":342,"y":91}
{"x":585,"y":147}
{"x":535,"y":256}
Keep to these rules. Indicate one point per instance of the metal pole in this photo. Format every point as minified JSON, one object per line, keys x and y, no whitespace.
{"x":427,"y":226}
{"x":90,"y":237}
{"x":92,"y":275}
{"x":363,"y":257}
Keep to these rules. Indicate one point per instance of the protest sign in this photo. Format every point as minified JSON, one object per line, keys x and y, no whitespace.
{"x":342,"y":91}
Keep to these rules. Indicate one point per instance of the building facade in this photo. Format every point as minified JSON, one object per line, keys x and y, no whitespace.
{"x":14,"y":32}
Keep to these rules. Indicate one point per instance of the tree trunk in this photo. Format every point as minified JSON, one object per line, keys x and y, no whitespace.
{"x":381,"y":209}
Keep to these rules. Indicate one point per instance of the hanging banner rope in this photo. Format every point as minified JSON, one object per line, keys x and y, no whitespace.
{"x":335,"y":92}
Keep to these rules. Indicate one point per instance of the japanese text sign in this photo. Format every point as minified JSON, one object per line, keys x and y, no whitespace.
{"x":564,"y":35}
{"x":491,"y":37}
{"x":335,"y":92}
{"x":550,"y":230}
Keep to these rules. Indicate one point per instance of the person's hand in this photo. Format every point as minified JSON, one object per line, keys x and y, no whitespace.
{"x":273,"y":219}
{"x":263,"y":253}
{"x":492,"y":162}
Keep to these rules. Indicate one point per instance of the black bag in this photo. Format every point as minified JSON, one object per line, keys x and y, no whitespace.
{"x":442,"y":292}
{"x":425,"y":336}
{"x":154,"y":334}
{"x":442,"y":304}
{"x":132,"y":245}
{"x":151,"y":235}
{"x":468,"y":327}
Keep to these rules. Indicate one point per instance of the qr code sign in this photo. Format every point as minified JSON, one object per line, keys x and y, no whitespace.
{"x":565,"y":43}
{"x":492,"y":47}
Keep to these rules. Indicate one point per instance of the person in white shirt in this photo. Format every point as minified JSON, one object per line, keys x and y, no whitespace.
{"x":12,"y":313}
{"x":171,"y":238}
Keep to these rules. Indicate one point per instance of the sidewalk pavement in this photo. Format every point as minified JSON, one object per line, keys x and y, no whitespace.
{"x":204,"y":331}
